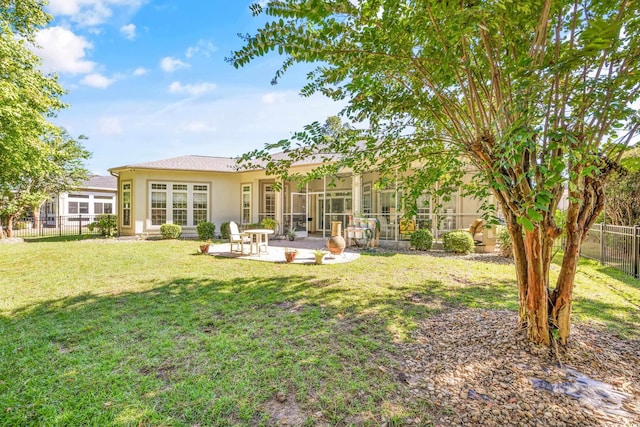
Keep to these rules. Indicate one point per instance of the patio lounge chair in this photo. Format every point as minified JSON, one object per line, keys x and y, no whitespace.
{"x":236,"y":238}
{"x":475,"y":228}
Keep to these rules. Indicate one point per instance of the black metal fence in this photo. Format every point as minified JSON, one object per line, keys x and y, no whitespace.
{"x":615,"y":246}
{"x":61,"y":225}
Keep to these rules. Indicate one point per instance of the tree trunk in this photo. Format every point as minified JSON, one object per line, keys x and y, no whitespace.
{"x":520,"y":258}
{"x":9,"y":229}
{"x":537,"y":302}
{"x":563,"y":293}
{"x":36,"y":216}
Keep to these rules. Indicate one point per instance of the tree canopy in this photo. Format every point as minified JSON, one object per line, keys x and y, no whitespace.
{"x":35,"y":154}
{"x":536,"y":95}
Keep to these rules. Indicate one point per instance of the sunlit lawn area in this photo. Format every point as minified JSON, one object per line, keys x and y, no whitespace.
{"x":148,"y":333}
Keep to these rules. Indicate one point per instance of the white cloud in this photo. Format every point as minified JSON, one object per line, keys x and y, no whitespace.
{"x":203,"y":47}
{"x":109,"y":126}
{"x":140,"y":71}
{"x":89,"y":13}
{"x":193,"y":90}
{"x":97,"y":80}
{"x":62,"y":51}
{"x":273,"y":98}
{"x":170,"y":64}
{"x":199,"y":127}
{"x":129,"y":31}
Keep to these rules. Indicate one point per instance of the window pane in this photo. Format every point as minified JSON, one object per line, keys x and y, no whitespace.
{"x":200,"y":187}
{"x":108,"y":208}
{"x":158,"y":207}
{"x":73,"y":207}
{"x":84,"y":207}
{"x":97,"y":208}
{"x":180,"y":187}
{"x":179,"y":207}
{"x":199,"y":207}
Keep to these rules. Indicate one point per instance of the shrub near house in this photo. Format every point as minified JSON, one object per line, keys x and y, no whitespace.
{"x":458,"y":241}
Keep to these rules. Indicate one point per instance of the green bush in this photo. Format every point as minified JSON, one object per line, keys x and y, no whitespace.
{"x":206,"y":230}
{"x":106,"y":224}
{"x":458,"y":241}
{"x":269,"y":223}
{"x":224,"y":230}
{"x":504,"y":241}
{"x":422,"y":239}
{"x":20,"y":225}
{"x":170,"y":231}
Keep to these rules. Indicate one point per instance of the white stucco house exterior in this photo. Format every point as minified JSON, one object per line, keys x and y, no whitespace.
{"x":188,"y":189}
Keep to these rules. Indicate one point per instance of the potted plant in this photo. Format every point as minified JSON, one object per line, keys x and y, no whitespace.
{"x":205,"y":231}
{"x":290,"y":254}
{"x":291,"y":234}
{"x":204,"y":247}
{"x":319,"y":254}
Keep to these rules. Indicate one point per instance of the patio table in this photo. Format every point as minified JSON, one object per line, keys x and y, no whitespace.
{"x":258,"y":238}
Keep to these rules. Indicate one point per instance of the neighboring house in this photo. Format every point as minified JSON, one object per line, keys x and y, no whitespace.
{"x":186,"y":190}
{"x":95,"y":196}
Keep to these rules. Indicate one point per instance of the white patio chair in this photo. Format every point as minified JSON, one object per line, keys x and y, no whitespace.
{"x":236,"y":238}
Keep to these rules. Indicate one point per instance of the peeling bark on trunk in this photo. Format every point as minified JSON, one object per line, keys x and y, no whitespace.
{"x":520,"y":258}
{"x":537,"y":289}
{"x":563,"y":293}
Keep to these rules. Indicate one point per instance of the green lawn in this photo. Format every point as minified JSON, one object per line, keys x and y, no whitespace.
{"x":148,"y":333}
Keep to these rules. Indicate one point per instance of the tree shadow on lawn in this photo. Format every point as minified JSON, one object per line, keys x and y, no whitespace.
{"x":195,"y":350}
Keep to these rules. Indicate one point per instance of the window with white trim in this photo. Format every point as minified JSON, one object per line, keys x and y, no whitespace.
{"x":178,"y":203}
{"x":200,"y":203}
{"x":246,"y":203}
{"x":126,"y":204}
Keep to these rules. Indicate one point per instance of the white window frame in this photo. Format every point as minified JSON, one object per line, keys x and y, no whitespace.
{"x":245,"y":190}
{"x":126,"y":207}
{"x":171,"y":188}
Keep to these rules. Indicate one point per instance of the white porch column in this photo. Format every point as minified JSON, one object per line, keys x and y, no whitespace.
{"x":356,"y":193}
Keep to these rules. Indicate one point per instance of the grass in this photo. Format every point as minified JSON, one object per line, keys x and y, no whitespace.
{"x":148,"y":333}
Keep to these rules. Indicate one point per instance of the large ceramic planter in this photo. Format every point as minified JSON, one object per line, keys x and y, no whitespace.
{"x":336,"y":243}
{"x":290,"y":256}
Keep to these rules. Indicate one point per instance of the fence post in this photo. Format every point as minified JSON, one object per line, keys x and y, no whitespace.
{"x":636,"y":250}
{"x":80,"y":226}
{"x":59,"y":225}
{"x":602,"y":246}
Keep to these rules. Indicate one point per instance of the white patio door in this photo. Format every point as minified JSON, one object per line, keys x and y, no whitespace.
{"x":298,"y":220}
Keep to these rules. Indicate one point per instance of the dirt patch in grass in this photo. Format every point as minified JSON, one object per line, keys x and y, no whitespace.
{"x":284,"y":411}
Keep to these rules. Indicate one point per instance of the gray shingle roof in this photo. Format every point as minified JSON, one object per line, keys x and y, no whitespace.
{"x":190,"y":163}
{"x":103,"y":182}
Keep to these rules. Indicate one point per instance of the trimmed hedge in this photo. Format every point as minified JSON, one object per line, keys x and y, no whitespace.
{"x":170,"y":231}
{"x":206,"y":230}
{"x":458,"y":241}
{"x":421,"y":239}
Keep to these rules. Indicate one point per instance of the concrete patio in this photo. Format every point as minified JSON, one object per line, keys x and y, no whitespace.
{"x":305,"y":248}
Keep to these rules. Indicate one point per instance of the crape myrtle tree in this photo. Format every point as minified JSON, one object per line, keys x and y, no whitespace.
{"x":537,"y":95}
{"x":33,"y":151}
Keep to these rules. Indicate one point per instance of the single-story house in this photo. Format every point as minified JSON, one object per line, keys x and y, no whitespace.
{"x":189,"y":189}
{"x":94,"y":196}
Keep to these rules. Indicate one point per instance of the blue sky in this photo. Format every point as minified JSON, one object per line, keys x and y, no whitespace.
{"x":147,"y":80}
